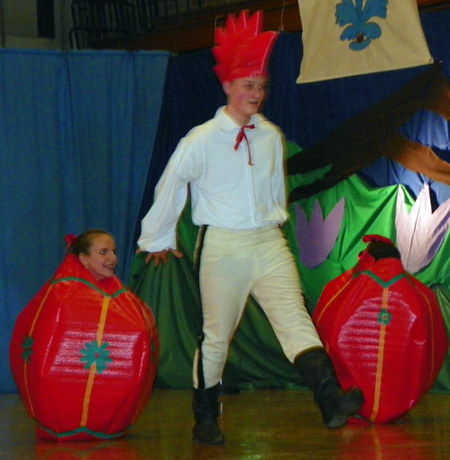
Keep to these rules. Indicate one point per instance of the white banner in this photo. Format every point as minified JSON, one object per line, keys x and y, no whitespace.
{"x":352,"y":37}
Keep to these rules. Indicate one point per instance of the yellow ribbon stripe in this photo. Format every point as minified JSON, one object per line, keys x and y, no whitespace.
{"x":379,"y":373}
{"x":93,"y":369}
{"x":324,"y":309}
{"x":25,"y":364}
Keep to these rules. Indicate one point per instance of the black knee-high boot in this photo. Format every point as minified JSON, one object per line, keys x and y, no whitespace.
{"x":336,"y":406}
{"x":206,"y":410}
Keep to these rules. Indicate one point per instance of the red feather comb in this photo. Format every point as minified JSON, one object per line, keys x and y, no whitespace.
{"x":241,"y":49}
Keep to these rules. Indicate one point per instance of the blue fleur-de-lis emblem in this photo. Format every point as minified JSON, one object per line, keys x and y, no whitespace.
{"x":384,"y":317}
{"x":356,"y":14}
{"x":93,"y":353}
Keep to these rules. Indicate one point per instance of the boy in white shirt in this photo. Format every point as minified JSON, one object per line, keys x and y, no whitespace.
{"x":234,"y":165}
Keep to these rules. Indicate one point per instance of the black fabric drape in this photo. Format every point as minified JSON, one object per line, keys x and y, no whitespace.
{"x":363,"y":139}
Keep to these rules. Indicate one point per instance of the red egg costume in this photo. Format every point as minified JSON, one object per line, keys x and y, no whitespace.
{"x":84,"y":355}
{"x":384,"y":332}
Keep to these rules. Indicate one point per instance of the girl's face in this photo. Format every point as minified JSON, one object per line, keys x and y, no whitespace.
{"x":102,"y":258}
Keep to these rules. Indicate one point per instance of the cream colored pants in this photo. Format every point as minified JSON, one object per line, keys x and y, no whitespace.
{"x":233,"y":265}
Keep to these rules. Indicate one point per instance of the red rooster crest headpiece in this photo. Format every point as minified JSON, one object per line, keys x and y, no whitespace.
{"x":241,"y":49}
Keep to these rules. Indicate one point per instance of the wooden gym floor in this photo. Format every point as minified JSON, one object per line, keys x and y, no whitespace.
{"x":258,"y":425}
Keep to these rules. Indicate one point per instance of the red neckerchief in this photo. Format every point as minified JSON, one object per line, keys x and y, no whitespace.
{"x":241,"y":135}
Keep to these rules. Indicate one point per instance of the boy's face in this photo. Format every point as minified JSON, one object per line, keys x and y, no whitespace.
{"x":245,"y":96}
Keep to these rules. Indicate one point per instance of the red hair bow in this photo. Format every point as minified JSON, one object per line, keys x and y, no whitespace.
{"x":70,"y":240}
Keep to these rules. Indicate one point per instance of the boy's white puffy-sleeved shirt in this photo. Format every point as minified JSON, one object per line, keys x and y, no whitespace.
{"x":226,"y":191}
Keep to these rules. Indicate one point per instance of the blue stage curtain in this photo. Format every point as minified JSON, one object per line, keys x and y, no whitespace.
{"x":76,"y":141}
